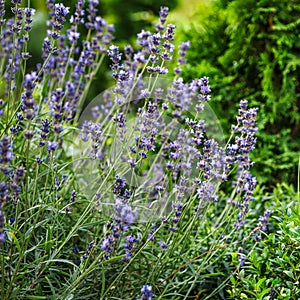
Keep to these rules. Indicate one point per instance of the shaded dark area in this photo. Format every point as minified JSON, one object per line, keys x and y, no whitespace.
{"x":132,"y":16}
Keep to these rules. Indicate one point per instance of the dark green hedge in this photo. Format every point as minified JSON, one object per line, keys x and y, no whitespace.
{"x":251,"y":49}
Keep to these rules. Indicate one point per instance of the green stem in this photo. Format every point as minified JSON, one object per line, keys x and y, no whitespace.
{"x":2,"y":257}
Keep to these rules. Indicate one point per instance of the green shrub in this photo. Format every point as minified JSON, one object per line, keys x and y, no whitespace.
{"x":250,"y":49}
{"x":272,"y":268}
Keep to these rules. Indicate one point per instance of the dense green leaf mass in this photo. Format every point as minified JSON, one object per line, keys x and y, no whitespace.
{"x":250,"y":49}
{"x":271,"y":270}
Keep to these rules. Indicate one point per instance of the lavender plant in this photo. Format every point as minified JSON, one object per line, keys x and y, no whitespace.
{"x":121,"y":198}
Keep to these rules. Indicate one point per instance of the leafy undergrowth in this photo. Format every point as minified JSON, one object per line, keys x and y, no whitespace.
{"x":271,"y":270}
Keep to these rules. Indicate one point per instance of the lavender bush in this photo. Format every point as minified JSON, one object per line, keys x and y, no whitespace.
{"x":134,"y":195}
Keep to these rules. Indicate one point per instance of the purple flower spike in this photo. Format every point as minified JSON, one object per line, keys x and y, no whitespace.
{"x":52,"y":146}
{"x":146,"y":290}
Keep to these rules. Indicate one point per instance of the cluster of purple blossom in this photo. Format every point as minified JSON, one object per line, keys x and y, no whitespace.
{"x":147,"y":293}
{"x":65,"y":75}
{"x":52,"y":95}
{"x":261,"y":226}
{"x":10,"y":188}
{"x":13,"y":42}
{"x":168,"y":145}
{"x":181,"y":151}
{"x":123,"y":217}
{"x":238,"y":153}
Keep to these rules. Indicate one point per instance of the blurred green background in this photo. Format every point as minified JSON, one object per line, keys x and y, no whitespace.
{"x":129,"y":18}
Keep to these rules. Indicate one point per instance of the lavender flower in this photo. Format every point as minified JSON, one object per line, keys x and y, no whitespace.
{"x":2,"y":12}
{"x":204,"y":89}
{"x":60,"y":12}
{"x":19,"y":174}
{"x":6,"y":39}
{"x":184,"y":46}
{"x":72,"y":200}
{"x":29,"y":12}
{"x":163,"y":14}
{"x":28,"y":103}
{"x":144,"y":40}
{"x":46,"y":48}
{"x":93,"y":131}
{"x":57,"y":108}
{"x":4,"y":197}
{"x":2,"y":220}
{"x":108,"y":243}
{"x":2,"y":237}
{"x":206,"y":192}
{"x":73,"y":94}
{"x":130,"y":241}
{"x":51,"y":7}
{"x":146,"y":291}
{"x":62,"y":59}
{"x":17,"y":26}
{"x":105,"y":243}
{"x":88,"y":250}
{"x":239,"y":153}
{"x":121,"y":120}
{"x":4,"y":194}
{"x":100,"y":24}
{"x":46,"y":124}
{"x":28,"y":134}
{"x":124,"y":213}
{"x":177,"y":208}
{"x":15,"y":184}
{"x":241,"y":256}
{"x":73,"y":35}
{"x":264,"y":220}
{"x":59,"y":182}
{"x":151,"y":234}
{"x":115,"y":57}
{"x":163,"y":245}
{"x":78,"y":17}
{"x":119,"y":186}
{"x":11,"y":47}
{"x":6,"y":154}
{"x":52,"y":146}
{"x":169,"y":36}
{"x":86,"y":58}
{"x":92,"y":11}
{"x":180,"y":95}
